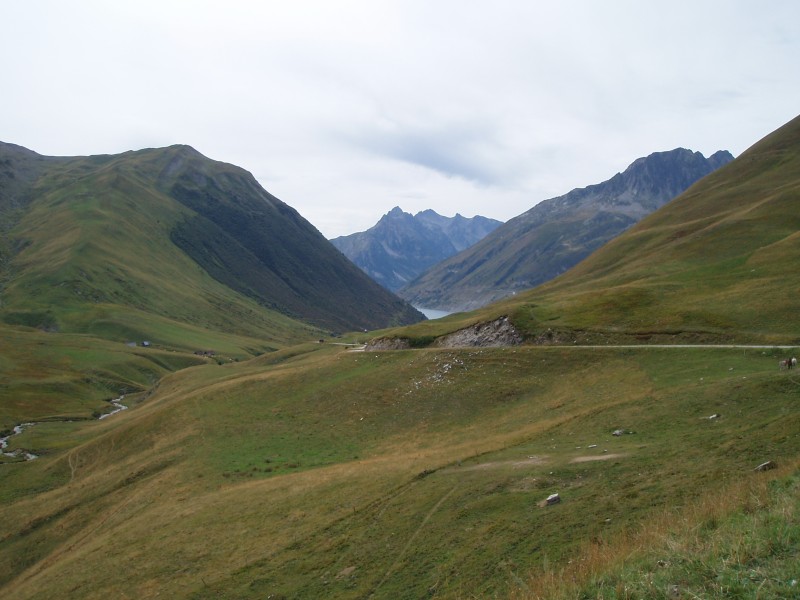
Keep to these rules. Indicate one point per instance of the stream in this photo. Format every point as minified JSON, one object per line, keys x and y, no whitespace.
{"x":18,"y":452}
{"x":118,"y":406}
{"x":18,"y":429}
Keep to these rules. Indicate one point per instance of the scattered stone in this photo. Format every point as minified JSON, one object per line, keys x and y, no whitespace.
{"x":346,"y":572}
{"x":618,"y":432}
{"x":767,"y":466}
{"x":592,"y":446}
{"x":714,"y":416}
{"x":553,"y":499}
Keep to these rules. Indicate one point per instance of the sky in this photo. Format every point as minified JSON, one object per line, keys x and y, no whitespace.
{"x":344,"y":109}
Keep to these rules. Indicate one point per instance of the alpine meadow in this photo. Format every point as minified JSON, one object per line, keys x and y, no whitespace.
{"x":293,"y":430}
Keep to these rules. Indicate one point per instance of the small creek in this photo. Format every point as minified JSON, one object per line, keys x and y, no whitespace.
{"x":118,"y":407}
{"x":18,"y":429}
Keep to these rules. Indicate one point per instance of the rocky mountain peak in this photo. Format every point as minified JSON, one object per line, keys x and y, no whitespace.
{"x":400,"y":246}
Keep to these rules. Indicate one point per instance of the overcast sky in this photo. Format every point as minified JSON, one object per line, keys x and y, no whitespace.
{"x":345,"y":109}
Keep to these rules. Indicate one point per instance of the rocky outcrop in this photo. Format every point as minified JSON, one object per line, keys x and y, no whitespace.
{"x":497,"y":333}
{"x":500,"y":332}
{"x":388,"y":344}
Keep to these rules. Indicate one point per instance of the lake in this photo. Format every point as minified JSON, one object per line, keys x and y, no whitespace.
{"x":432,"y":313}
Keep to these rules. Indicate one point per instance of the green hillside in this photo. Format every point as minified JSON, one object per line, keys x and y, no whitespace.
{"x":168,"y":233}
{"x":320,"y":471}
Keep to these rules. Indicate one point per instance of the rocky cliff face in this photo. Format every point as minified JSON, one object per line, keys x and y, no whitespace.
{"x":401,"y":246}
{"x":556,"y":234}
{"x":491,"y":334}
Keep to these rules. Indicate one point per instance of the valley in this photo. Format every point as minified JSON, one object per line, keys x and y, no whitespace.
{"x":622,"y":431}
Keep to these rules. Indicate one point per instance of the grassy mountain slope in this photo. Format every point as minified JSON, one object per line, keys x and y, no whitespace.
{"x":167,"y":233}
{"x":318,"y":472}
{"x":717,"y":260}
{"x":88,"y":254}
{"x":558,"y":233}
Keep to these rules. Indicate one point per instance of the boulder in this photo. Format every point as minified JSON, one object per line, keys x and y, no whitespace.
{"x":552,"y":499}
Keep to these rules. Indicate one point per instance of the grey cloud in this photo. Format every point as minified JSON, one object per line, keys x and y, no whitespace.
{"x":469,"y":151}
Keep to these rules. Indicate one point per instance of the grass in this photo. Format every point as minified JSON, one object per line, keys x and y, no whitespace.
{"x":167,"y":233}
{"x":321,"y":472}
{"x":98,"y":259}
{"x":741,"y":542}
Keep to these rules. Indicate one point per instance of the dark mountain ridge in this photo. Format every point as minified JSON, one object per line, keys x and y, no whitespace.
{"x":401,"y":246}
{"x":558,"y":233}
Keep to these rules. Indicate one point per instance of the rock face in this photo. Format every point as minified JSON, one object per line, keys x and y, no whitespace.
{"x":388,"y":344}
{"x":401,"y":246}
{"x":558,"y":233}
{"x":499,"y":332}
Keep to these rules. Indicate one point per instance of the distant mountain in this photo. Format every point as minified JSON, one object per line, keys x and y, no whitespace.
{"x":102,"y":244}
{"x":557,"y":234}
{"x":401,"y":246}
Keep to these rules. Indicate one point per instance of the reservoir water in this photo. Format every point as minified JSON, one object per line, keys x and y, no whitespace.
{"x":432,"y":313}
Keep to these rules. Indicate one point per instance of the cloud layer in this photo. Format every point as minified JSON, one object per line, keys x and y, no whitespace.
{"x":346,"y":109}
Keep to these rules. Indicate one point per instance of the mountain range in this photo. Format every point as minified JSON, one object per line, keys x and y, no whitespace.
{"x":401,"y":246}
{"x":557,"y":234}
{"x":167,"y":233}
{"x":630,"y":433}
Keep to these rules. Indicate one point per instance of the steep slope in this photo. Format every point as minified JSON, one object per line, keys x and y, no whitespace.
{"x":558,"y":233}
{"x":168,"y":233}
{"x":400,"y":246}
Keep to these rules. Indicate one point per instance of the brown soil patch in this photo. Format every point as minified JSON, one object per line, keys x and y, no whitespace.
{"x":581,"y":459}
{"x":531,"y":461}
